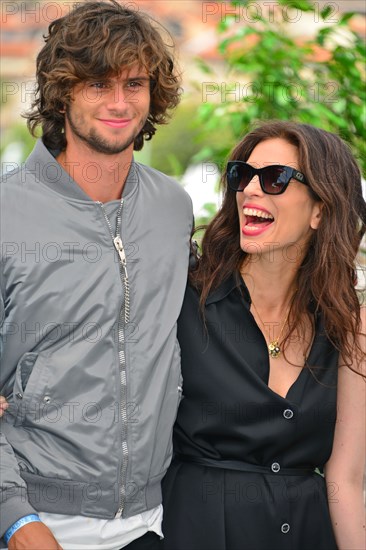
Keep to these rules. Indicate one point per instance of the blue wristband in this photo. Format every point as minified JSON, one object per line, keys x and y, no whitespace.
{"x":18,"y":524}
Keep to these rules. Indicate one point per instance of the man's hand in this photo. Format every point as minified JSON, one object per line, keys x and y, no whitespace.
{"x":33,"y":536}
{"x":3,"y":405}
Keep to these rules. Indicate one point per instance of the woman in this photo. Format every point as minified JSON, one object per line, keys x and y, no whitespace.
{"x":270,"y":328}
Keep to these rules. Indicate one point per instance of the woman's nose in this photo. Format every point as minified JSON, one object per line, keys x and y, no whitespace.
{"x":253,"y":187}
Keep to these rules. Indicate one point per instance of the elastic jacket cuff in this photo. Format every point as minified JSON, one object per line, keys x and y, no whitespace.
{"x":12,"y":509}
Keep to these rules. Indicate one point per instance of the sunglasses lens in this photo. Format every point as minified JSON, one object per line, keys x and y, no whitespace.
{"x":238,"y":176}
{"x":274,"y":178}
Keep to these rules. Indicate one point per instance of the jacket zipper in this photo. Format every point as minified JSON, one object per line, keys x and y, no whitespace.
{"x":122,"y":322}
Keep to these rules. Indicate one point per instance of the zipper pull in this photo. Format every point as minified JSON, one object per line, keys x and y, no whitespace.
{"x":119,"y":513}
{"x":117,"y":241}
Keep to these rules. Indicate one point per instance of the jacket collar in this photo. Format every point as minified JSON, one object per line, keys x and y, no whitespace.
{"x":43,"y":164}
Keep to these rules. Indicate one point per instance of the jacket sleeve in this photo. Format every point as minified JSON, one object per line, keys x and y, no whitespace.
{"x":14,"y":502}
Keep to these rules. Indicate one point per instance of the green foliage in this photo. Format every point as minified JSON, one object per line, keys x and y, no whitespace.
{"x":173,"y":146}
{"x":208,"y":212}
{"x":271,"y":74}
{"x":18,"y":133}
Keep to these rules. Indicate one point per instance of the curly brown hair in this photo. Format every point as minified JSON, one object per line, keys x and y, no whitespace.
{"x":97,"y":40}
{"x":327,"y":275}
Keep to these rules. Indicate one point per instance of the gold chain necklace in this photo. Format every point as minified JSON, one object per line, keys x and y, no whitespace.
{"x":274,"y":349}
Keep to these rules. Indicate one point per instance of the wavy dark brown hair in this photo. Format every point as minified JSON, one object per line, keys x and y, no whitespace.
{"x":327,"y":275}
{"x":98,"y":40}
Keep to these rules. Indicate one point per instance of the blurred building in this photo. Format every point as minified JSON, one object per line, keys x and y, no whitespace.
{"x":192,"y":24}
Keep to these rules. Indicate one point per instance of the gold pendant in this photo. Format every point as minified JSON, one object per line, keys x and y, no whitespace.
{"x":274,"y":349}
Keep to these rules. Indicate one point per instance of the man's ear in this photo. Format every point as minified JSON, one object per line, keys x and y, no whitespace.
{"x":316,"y":215}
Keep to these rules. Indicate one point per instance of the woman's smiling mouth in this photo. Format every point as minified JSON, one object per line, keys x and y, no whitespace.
{"x":256,"y":220}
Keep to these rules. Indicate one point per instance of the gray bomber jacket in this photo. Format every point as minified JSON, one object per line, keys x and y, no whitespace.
{"x":90,"y":361}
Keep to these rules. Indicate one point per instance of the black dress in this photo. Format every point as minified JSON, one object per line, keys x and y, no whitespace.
{"x":243,"y":474}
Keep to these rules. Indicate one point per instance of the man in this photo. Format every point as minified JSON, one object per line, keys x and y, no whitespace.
{"x":94,"y":263}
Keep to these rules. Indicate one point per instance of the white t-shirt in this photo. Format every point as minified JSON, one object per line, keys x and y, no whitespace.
{"x":83,"y":533}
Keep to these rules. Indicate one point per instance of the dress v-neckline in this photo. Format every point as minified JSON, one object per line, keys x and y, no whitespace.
{"x":304,"y":370}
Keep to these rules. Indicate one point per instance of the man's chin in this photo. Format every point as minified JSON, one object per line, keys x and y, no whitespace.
{"x":98,"y":144}
{"x":106,"y":148}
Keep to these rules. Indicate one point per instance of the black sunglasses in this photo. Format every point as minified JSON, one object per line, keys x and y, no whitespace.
{"x":273,"y":179}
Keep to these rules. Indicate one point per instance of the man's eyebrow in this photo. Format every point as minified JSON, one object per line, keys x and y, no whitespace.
{"x":138,"y":78}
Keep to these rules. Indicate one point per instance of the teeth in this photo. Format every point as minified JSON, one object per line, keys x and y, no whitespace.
{"x":257,"y":213}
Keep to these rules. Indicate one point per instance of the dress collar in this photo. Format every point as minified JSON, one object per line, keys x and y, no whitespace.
{"x":234,"y":282}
